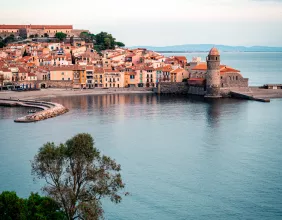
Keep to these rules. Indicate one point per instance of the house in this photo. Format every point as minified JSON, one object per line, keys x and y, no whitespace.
{"x":61,"y":73}
{"x":113,"y":78}
{"x":163,"y":74}
{"x":178,"y":75}
{"x":89,"y":77}
{"x":98,"y":77}
{"x":31,"y":77}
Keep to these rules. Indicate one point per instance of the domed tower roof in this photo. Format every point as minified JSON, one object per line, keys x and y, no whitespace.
{"x":214,"y":52}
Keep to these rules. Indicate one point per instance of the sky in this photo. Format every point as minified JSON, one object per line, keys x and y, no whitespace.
{"x":159,"y":22}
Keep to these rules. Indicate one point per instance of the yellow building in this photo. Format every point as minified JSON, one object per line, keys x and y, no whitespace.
{"x":130,"y":79}
{"x":79,"y":77}
{"x":178,"y":75}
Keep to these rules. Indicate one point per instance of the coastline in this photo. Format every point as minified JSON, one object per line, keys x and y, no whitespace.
{"x":50,"y":93}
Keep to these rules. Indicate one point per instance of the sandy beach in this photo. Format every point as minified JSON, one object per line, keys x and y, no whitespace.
{"x":47,"y":93}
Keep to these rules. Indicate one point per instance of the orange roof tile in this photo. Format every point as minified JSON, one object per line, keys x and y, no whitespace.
{"x":200,"y":66}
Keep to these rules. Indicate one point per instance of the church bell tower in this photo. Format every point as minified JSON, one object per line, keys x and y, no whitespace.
{"x":213,"y":74}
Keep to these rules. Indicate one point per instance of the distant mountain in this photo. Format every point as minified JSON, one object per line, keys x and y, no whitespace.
{"x":207,"y":47}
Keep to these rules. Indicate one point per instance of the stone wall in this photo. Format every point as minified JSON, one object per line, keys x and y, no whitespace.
{"x":234,"y":80}
{"x":196,"y":90}
{"x":173,"y":88}
{"x":48,"y":84}
{"x":51,"y":110}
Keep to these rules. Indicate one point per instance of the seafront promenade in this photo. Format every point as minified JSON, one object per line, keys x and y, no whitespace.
{"x":48,"y":93}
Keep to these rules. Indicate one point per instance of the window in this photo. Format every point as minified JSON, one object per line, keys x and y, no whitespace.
{"x":117,"y":79}
{"x":63,"y":73}
{"x":63,"y":79}
{"x":68,"y":78}
{"x":236,"y":77}
{"x":106,"y":79}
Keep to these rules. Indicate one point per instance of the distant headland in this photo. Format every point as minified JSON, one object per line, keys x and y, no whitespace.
{"x":186,"y":48}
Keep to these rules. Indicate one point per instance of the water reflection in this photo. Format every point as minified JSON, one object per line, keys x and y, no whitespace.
{"x":211,"y":158}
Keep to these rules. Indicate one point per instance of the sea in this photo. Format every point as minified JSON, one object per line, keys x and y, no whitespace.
{"x":182,"y":157}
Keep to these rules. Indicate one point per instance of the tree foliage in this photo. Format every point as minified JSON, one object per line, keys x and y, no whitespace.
{"x":25,"y":53}
{"x":78,"y":176}
{"x":33,"y":208}
{"x":102,"y":41}
{"x":60,"y":36}
{"x":120,"y":44}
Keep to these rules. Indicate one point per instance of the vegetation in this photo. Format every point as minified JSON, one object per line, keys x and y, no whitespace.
{"x":102,"y":41}
{"x":77,"y":176}
{"x":60,"y":36}
{"x":25,"y":53}
{"x":120,"y":44}
{"x":33,"y":208}
{"x":7,"y":40}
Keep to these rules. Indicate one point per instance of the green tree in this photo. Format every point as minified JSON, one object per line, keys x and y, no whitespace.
{"x":78,"y":176}
{"x":2,"y":44}
{"x":11,"y":206}
{"x":42,"y":208}
{"x":61,"y":36}
{"x":120,"y":44}
{"x":34,"y":208}
{"x":9,"y":39}
{"x":25,"y":53}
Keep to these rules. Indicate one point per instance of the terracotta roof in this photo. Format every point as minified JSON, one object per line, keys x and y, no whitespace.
{"x":196,"y":79}
{"x":200,"y":66}
{"x":89,"y":67}
{"x":227,"y":69}
{"x":61,"y":68}
{"x":164,"y":68}
{"x":178,"y":70}
{"x":98,"y":70}
{"x":183,"y":58}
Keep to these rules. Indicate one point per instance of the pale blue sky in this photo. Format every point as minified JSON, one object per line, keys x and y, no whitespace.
{"x":159,"y":22}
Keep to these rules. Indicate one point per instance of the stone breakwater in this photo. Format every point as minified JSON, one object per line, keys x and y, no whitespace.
{"x":47,"y":109}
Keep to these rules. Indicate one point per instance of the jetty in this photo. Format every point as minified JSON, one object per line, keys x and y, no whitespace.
{"x":46,"y":109}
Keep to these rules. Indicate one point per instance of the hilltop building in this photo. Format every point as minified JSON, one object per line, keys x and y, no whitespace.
{"x":40,"y":30}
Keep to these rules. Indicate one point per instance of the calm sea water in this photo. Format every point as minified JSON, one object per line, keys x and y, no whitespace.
{"x":181,"y":157}
{"x":260,"y":68}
